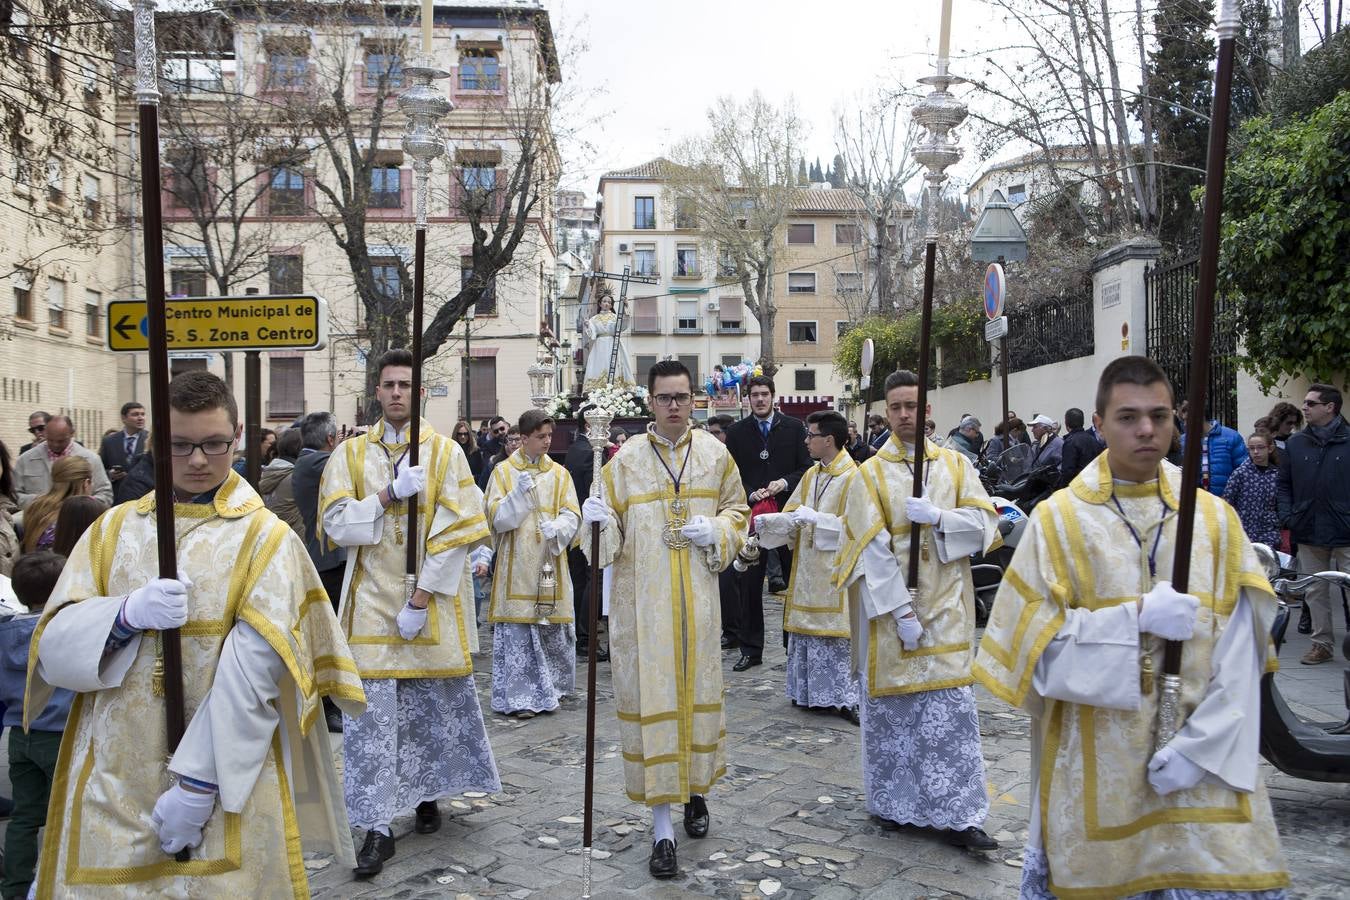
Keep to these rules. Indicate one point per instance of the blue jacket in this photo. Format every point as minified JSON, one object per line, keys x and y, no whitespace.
{"x":15,"y":636}
{"x":1227,"y":450}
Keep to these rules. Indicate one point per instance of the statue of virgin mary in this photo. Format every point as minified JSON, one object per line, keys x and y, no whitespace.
{"x":603,"y":330}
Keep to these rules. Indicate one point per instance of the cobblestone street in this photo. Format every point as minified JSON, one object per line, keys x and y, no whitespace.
{"x":788,"y":819}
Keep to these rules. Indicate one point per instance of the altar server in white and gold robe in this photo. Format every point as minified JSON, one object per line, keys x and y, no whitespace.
{"x":422,"y":737}
{"x":532,"y":509}
{"x":673,"y":514}
{"x":819,"y":666}
{"x":1076,"y":639}
{"x":252,"y":781}
{"x":920,"y":731}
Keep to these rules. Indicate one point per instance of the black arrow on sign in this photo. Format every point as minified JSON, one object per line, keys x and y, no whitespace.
{"x":124,"y":328}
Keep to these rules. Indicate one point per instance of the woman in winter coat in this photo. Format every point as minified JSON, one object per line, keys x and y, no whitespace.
{"x":1251,"y":491}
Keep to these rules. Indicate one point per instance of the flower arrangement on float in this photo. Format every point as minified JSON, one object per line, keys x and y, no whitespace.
{"x":620,"y":401}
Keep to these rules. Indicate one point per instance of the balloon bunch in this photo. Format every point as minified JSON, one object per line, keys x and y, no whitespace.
{"x":725,"y":379}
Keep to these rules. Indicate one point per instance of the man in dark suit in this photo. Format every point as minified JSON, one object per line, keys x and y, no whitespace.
{"x":878,"y":432}
{"x":580,"y":464}
{"x":769,"y":448}
{"x":121,"y":447}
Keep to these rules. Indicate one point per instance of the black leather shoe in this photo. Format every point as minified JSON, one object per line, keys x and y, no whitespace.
{"x":849,"y":714}
{"x":583,"y":651}
{"x":777,"y":585}
{"x":428,"y":818}
{"x":374,"y":852}
{"x":886,"y":824}
{"x":729,"y":643}
{"x":696,"y":817}
{"x":971,"y":838}
{"x":746,"y":662}
{"x":663,"y":864}
{"x":602,"y":654}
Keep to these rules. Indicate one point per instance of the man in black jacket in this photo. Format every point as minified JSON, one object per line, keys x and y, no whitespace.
{"x":318,"y":437}
{"x":1313,"y":496}
{"x":1080,"y":447}
{"x":580,"y":464}
{"x":121,"y":447}
{"x":769,"y":448}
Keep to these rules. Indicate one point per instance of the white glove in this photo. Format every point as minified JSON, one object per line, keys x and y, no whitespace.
{"x":596,"y":510}
{"x":1168,"y":614}
{"x":410,"y":621}
{"x":524,"y":484}
{"x":908,"y":627}
{"x":158,"y":605}
{"x":411,"y":480}
{"x":548,"y":528}
{"x":179,"y":817}
{"x":920,"y":510}
{"x":1170,"y":771}
{"x":804,"y":515}
{"x":700,"y":531}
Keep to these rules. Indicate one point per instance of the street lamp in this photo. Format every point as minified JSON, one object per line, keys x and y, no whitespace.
{"x":998,"y":237}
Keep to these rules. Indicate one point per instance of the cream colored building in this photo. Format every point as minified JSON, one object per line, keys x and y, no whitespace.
{"x":1031,"y":176}
{"x":498,"y":55}
{"x":687,"y":314}
{"x":58,"y":259}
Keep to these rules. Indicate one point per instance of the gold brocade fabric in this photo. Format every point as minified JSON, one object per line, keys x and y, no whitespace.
{"x":946,"y":596}
{"x":812,"y":604}
{"x":520,"y":553}
{"x":665,"y":618}
{"x":1105,"y":831}
{"x":246,"y":565}
{"x":450,"y":515}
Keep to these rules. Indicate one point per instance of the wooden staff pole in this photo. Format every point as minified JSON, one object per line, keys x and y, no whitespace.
{"x":1169,"y":701}
{"x":415,"y":424}
{"x":921,"y":414}
{"x":147,"y":99}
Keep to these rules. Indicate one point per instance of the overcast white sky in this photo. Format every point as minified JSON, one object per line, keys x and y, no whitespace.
{"x":660,"y":65}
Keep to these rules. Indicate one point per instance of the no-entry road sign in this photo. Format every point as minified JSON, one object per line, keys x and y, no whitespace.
{"x":254,"y":322}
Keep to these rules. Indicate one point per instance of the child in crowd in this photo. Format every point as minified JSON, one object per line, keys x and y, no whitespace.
{"x":32,"y":756}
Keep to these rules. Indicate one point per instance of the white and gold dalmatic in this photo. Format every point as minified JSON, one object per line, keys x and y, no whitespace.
{"x":533,"y":645}
{"x":450,"y":517}
{"x":816,"y":615}
{"x":259,"y":622}
{"x":1063,"y":643}
{"x":665,"y":615}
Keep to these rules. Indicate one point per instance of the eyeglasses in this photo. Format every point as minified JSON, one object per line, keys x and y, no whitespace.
{"x":813,"y":434}
{"x":502,"y":430}
{"x":1311,"y":403}
{"x":214,"y":447}
{"x":37,"y":429}
{"x":673,"y":399}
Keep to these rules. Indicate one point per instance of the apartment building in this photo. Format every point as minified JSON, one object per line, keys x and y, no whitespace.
{"x":575,"y":223}
{"x":58,"y":258}
{"x":687,"y":314}
{"x":499,"y":56}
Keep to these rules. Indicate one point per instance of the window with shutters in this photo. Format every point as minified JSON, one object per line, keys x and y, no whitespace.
{"x":93,"y":313}
{"x":730,"y":316}
{"x":801,"y":233}
{"x":384,"y":272}
{"x":686,"y":317}
{"x":187,"y":283}
{"x":22,"y":281}
{"x":642,"y":368}
{"x":804,"y":379}
{"x":646,"y":317}
{"x":847,"y":234}
{"x":56,"y":303}
{"x":801,"y":332}
{"x":479,"y":70}
{"x":801,"y":282}
{"x":686,"y":261}
{"x":482,"y":387}
{"x":286,"y":192}
{"x":691,"y":363}
{"x":383,"y":64}
{"x":286,"y":387}
{"x":92,"y":202}
{"x":386,"y":187}
{"x":848,"y":283}
{"x":644,"y":259}
{"x":285,"y":274}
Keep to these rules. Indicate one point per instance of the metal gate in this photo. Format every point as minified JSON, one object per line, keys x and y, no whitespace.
{"x":1170,"y":312}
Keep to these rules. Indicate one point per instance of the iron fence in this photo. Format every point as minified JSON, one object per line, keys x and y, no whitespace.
{"x":1169,"y":317}
{"x":1049,"y":330}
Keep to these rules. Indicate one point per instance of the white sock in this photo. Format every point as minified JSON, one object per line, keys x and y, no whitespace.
{"x":662,"y":830}
{"x":384,"y":830}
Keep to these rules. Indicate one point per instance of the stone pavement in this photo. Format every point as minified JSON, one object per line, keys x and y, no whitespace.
{"x":788,"y":820}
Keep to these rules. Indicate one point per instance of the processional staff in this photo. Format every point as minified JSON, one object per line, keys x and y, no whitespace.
{"x":1169,"y":699}
{"x":147,"y":102}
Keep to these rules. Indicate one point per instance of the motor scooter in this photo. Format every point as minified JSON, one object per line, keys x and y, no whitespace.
{"x":1290,"y":743}
{"x":987,"y":569}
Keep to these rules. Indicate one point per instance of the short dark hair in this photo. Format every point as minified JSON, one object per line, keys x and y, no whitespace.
{"x":398,"y":356}
{"x":289,"y":443}
{"x":316,"y":428}
{"x":666,"y":368}
{"x":1073,"y":418}
{"x":494,"y":420}
{"x":875,"y":419}
{"x":1138,"y":370}
{"x":129,"y":406}
{"x":829,"y":422}
{"x":199,"y":391}
{"x":900,"y":378}
{"x":722,"y":421}
{"x":760,"y":381}
{"x":1285,"y":410}
{"x":531,"y":420}
{"x":1328,"y":394}
{"x":35,"y":576}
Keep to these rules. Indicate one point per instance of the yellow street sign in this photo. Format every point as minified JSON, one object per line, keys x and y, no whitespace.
{"x":255,"y":322}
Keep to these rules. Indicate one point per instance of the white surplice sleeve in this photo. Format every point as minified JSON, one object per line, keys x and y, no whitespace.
{"x":230,"y":734}
{"x":511,"y":511}
{"x":883,"y":588}
{"x":774,"y":529}
{"x":960,"y":533}
{"x":567,"y":523}
{"x":71,"y":653}
{"x":355,"y":523}
{"x":1093,"y":659}
{"x":829,"y":531}
{"x":1222,"y":736}
{"x":442,"y":572}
